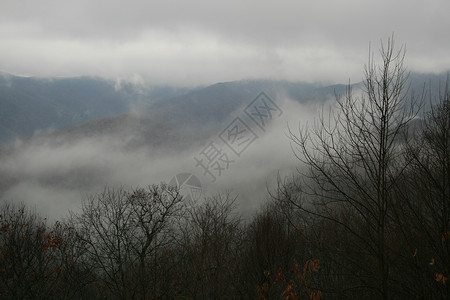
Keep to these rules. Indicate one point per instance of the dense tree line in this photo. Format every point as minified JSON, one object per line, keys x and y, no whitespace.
{"x":368,"y":217}
{"x":149,"y":244}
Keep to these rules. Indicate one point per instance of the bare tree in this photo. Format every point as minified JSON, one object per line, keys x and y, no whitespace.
{"x":354,"y":159}
{"x":122,"y":232}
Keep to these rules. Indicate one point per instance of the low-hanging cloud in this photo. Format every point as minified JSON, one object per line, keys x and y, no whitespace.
{"x":54,"y":177}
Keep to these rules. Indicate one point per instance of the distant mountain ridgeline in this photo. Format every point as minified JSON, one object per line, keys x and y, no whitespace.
{"x":29,"y":104}
{"x":203,"y":111}
{"x":89,"y":107}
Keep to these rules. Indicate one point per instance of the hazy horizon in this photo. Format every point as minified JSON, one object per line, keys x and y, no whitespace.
{"x":202,"y":42}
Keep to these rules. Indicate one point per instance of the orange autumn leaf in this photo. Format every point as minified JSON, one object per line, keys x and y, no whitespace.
{"x":316,"y":295}
{"x":316,"y":265}
{"x":307,"y":286}
{"x":288,"y":289}
{"x":280,"y":275}
{"x":292,"y":296}
{"x":441,"y":278}
{"x":296,"y":270}
{"x":445,"y":236}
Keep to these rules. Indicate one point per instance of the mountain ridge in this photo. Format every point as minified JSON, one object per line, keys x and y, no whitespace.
{"x":73,"y":105}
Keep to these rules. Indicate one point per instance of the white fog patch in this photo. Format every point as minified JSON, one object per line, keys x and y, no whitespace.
{"x":49,"y":202}
{"x":54,"y":177}
{"x":255,"y":172}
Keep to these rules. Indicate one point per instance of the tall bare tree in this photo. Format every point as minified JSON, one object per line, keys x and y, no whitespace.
{"x":354,"y":158}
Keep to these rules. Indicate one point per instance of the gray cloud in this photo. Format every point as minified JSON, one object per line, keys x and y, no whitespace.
{"x":201,"y":42}
{"x":54,"y":177}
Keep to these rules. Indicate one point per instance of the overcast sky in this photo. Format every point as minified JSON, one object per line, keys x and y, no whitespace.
{"x":203,"y":41}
